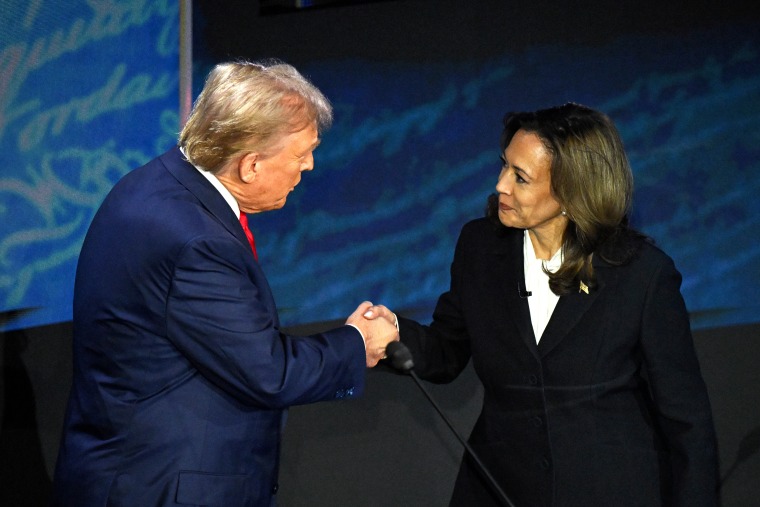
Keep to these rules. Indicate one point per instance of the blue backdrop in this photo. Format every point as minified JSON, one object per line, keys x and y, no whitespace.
{"x":88,"y":91}
{"x":88,"y":94}
{"x":414,"y":154}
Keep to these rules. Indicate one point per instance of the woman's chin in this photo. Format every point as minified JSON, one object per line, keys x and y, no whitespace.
{"x":507,"y":220}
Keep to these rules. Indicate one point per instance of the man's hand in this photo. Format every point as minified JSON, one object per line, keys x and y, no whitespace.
{"x":378,"y":325}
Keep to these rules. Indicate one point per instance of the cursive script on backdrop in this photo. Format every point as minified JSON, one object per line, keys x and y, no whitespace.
{"x":72,"y":76}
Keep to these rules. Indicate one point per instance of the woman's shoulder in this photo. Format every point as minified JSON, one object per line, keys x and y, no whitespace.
{"x":650,"y":252}
{"x":482,"y":238}
{"x":637,"y":249}
{"x":487,"y":226}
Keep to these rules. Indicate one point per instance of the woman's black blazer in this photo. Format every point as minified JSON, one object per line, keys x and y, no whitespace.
{"x":609,"y":409}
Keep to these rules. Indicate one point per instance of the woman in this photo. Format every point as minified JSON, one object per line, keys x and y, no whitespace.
{"x":577,"y":329}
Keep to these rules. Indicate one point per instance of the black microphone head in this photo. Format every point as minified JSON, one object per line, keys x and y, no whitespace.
{"x":400,"y":356}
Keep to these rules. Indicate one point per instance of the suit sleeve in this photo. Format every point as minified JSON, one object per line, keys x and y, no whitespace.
{"x":441,"y":350}
{"x":679,"y":391}
{"x":224,"y":324}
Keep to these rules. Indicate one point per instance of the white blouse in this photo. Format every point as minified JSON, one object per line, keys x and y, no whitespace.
{"x":542,"y":300}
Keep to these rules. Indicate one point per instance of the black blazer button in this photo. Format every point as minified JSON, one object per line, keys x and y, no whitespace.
{"x":537,"y":421}
{"x":533,"y":380}
{"x":545,"y":464}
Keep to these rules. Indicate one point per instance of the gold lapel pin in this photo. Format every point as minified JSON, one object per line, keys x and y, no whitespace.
{"x":583,"y":287}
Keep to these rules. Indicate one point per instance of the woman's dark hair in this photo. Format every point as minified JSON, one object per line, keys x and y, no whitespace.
{"x":592,"y":181}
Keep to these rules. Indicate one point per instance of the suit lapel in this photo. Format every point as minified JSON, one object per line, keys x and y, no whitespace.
{"x":204,"y":191}
{"x":510,"y":272}
{"x":569,"y":310}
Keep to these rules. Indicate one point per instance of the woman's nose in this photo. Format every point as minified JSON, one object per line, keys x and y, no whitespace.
{"x":502,"y":185}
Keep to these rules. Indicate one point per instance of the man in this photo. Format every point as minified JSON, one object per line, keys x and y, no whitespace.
{"x":182,"y":377}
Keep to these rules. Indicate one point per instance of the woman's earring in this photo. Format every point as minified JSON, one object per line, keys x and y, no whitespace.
{"x":564,"y":213}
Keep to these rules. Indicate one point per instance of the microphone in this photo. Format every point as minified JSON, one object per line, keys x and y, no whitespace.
{"x":401,"y":359}
{"x":400,"y":356}
{"x":522,"y":292}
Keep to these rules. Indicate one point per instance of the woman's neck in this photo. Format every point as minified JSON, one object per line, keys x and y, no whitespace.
{"x":545,"y":243}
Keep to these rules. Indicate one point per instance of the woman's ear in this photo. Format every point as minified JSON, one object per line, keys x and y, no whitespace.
{"x":248,"y":167}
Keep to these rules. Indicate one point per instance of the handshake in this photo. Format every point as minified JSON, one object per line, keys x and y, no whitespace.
{"x":379,"y":327}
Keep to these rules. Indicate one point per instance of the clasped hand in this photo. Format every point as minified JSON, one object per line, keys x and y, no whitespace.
{"x":378,"y":325}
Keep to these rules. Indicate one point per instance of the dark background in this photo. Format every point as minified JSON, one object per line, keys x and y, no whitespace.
{"x":422,"y":80}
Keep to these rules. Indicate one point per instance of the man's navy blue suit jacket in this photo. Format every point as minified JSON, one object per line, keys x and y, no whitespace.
{"x":182,"y":376}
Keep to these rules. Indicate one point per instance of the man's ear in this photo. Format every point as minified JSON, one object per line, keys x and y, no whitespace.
{"x":248,"y":167}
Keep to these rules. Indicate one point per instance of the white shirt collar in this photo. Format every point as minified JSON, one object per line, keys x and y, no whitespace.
{"x":529,"y":253}
{"x":217,"y":185}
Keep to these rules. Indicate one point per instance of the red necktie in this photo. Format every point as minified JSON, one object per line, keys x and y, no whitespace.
{"x":248,"y":233}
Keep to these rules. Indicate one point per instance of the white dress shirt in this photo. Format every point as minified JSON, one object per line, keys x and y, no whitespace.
{"x":542,"y":300}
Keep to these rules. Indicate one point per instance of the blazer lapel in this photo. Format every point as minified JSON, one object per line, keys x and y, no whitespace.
{"x":210,"y":198}
{"x":204,"y":191}
{"x":569,"y":310}
{"x":509,"y":269}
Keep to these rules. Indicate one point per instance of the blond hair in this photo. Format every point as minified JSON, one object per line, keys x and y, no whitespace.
{"x":246,"y":107}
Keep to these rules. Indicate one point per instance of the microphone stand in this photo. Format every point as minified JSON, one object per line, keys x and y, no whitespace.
{"x":401,"y":359}
{"x":504,"y":499}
